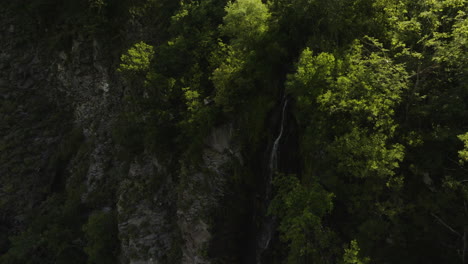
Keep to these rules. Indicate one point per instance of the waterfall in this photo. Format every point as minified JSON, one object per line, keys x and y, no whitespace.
{"x":267,"y":229}
{"x":274,"y":151}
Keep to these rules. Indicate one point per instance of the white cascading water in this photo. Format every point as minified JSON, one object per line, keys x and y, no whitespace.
{"x":268,"y":224}
{"x":274,"y":150}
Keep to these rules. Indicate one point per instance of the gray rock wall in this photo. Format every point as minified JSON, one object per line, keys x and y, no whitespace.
{"x":163,"y":212}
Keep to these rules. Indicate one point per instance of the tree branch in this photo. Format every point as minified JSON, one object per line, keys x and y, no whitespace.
{"x":445,"y":224}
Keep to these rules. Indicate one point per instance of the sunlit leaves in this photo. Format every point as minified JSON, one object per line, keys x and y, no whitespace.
{"x":463,"y":154}
{"x":367,"y":87}
{"x":351,"y":255}
{"x":226,"y":78}
{"x":366,"y":92}
{"x":312,"y":75}
{"x":245,"y":21}
{"x":362,"y":154}
{"x":193,"y":101}
{"x":451,"y":47}
{"x":358,"y":94}
{"x":300,"y":209}
{"x":137,"y":58}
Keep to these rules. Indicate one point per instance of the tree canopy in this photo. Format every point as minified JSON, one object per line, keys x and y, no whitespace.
{"x":371,"y":97}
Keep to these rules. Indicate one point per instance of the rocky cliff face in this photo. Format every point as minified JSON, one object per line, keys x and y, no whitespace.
{"x":58,"y":112}
{"x":243,"y":131}
{"x":200,"y":192}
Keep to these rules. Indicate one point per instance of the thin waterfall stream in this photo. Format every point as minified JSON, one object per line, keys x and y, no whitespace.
{"x":274,"y":151}
{"x":268,"y":226}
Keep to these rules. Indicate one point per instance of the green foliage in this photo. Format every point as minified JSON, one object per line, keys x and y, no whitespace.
{"x":137,"y":59}
{"x":377,"y":108}
{"x":451,"y":46}
{"x":228,"y":80}
{"x":313,"y":74}
{"x":52,"y":236}
{"x":141,"y":7}
{"x":312,"y":71}
{"x":97,"y":4}
{"x":301,"y":209}
{"x":193,"y":100}
{"x":351,"y":255}
{"x":101,"y":235}
{"x":361,"y":91}
{"x":463,"y":154}
{"x":245,"y":22}
{"x":367,"y":88}
{"x":363,"y":155}
{"x":346,"y":104}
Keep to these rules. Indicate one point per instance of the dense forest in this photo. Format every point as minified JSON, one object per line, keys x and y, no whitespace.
{"x":242,"y":131}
